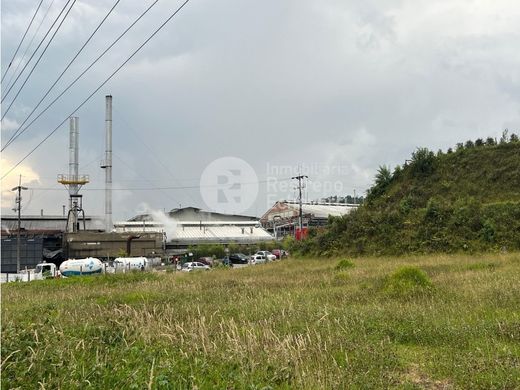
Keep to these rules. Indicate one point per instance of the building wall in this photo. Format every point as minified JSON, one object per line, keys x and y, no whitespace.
{"x":103,"y":245}
{"x":31,"y":252}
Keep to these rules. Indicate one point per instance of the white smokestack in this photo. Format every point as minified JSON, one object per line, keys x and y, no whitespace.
{"x":108,"y":163}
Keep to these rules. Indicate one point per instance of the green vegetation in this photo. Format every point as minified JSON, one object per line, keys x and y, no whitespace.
{"x":407,"y":280}
{"x":466,"y":200}
{"x":344,"y":264}
{"x":441,"y":321}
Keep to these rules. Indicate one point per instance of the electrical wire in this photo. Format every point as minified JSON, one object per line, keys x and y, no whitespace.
{"x":30,"y":44}
{"x":19,"y":133}
{"x":36,"y":50}
{"x":161,"y":188}
{"x":38,"y":61}
{"x":23,"y":37}
{"x":152,"y":153}
{"x":98,"y":88}
{"x":64,"y":70}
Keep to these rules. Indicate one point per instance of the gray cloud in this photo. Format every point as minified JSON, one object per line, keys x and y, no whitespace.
{"x":350,"y":84}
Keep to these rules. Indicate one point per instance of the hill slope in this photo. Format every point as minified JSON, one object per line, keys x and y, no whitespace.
{"x":463,"y":200}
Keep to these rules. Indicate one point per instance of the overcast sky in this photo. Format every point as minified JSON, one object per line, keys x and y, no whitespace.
{"x":336,"y":88}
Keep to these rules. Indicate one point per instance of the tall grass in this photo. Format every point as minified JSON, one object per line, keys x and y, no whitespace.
{"x":290,"y":324}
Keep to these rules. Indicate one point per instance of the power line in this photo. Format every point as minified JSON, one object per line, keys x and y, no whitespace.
{"x":159,"y":188}
{"x":38,"y":61}
{"x":23,"y":37}
{"x":64,"y":70}
{"x":36,"y":50}
{"x":98,"y":88}
{"x":152,"y":153}
{"x":144,"y":178}
{"x":30,"y":44}
{"x":19,"y":133}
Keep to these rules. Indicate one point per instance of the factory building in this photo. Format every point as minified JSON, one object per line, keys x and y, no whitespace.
{"x":41,"y":239}
{"x":184,"y":227}
{"x":45,"y":238}
{"x":282,"y":218}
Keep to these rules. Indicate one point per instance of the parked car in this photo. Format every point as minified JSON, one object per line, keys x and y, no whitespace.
{"x":206,"y":260}
{"x":268,"y":255}
{"x":194,"y":266}
{"x":238,"y":258}
{"x":280,"y":253}
{"x":258,"y":259}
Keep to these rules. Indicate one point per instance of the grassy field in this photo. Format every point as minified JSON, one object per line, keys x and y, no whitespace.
{"x":437,"y":322}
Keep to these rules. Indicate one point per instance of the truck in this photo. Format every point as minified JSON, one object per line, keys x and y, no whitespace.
{"x":87,"y":266}
{"x":45,"y":271}
{"x":124,"y":264}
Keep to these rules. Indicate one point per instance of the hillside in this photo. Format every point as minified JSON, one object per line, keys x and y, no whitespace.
{"x":462,"y":200}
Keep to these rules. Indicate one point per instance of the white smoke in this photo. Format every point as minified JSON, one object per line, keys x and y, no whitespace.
{"x":169,"y":224}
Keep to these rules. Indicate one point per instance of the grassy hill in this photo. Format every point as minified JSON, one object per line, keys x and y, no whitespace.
{"x":462,"y":200}
{"x":438,"y":322}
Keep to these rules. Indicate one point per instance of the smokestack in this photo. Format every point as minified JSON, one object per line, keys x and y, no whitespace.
{"x":108,"y":163}
{"x":73,"y":181}
{"x":74,"y":154}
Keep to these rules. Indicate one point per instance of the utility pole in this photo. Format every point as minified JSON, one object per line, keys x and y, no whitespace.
{"x":19,"y":188}
{"x":300,"y":186}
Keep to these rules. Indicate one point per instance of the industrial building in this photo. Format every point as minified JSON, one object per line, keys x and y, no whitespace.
{"x":188,"y":226}
{"x":41,"y":238}
{"x":282,"y":218}
{"x":45,"y":238}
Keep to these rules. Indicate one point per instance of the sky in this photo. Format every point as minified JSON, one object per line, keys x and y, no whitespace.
{"x":232,"y":98}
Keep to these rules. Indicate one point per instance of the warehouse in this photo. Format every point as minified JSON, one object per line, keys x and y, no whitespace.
{"x":41,"y":238}
{"x":189,"y":226}
{"x":282,"y":218}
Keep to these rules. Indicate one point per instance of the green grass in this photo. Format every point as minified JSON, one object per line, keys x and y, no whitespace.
{"x":298,"y":324}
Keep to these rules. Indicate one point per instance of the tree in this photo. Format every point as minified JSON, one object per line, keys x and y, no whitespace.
{"x":422,"y":161}
{"x":383,"y":176}
{"x":504,"y":138}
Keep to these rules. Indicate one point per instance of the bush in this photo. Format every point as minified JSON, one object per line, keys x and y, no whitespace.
{"x":344,"y":264}
{"x":407,"y":280}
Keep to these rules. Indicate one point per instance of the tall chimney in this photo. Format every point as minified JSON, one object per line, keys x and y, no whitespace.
{"x":108,"y":163}
{"x":74,"y":155}
{"x":74,"y":181}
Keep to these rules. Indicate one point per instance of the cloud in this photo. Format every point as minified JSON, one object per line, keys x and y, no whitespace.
{"x":356,"y":84}
{"x":9,"y":125}
{"x":29,"y":177}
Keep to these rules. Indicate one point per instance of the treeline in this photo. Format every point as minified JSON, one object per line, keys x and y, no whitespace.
{"x":464,"y":199}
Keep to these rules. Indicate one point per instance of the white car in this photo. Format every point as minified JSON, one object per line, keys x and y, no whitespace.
{"x":261,"y":257}
{"x":194,"y":266}
{"x":268,"y":255}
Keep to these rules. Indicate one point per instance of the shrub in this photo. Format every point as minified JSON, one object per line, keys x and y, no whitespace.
{"x":344,"y":264}
{"x":407,"y":280}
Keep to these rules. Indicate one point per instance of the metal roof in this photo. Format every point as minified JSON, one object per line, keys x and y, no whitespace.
{"x":40,"y":223}
{"x":287,"y":210}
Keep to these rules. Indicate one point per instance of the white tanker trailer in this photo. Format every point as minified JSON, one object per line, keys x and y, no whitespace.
{"x":130,"y":263}
{"x":87,"y":266}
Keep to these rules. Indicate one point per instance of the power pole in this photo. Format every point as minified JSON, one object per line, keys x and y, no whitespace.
{"x":300,"y":179}
{"x":19,"y":188}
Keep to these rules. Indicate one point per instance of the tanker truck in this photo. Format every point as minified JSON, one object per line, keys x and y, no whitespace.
{"x":73,"y":267}
{"x":123,"y":264}
{"x":88,"y":266}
